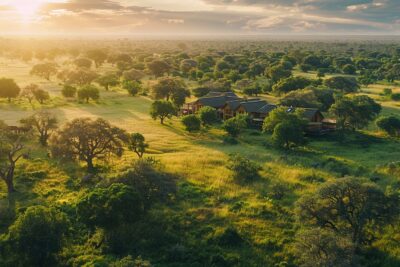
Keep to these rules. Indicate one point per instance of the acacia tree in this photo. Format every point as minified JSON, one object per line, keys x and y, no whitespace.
{"x":44,"y":70}
{"x":86,"y":139}
{"x":162,"y":109}
{"x":137,"y":144}
{"x":171,"y":88}
{"x":107,"y":80}
{"x":28,"y":92}
{"x":350,"y":207}
{"x":88,"y":92}
{"x":158,"y":67}
{"x":41,"y":95}
{"x":354,"y":112}
{"x":98,"y":56}
{"x":11,"y":151}
{"x":8,"y":88}
{"x":43,"y":122}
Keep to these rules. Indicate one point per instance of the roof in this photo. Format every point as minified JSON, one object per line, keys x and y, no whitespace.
{"x":253,"y":106}
{"x":266,"y":109}
{"x":216,"y":101}
{"x":309,"y":113}
{"x":234,"y":104}
{"x":215,"y":93}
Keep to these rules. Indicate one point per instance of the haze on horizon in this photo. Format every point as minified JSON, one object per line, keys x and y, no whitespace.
{"x":199,"y":17}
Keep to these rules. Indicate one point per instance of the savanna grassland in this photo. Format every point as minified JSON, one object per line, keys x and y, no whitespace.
{"x":211,"y":218}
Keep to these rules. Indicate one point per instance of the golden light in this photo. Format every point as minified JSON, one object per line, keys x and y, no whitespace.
{"x":27,"y":9}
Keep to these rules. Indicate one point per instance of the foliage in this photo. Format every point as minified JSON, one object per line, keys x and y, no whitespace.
{"x":45,"y":70}
{"x":8,"y":88}
{"x":68,"y":91}
{"x":37,"y":236}
{"x":28,"y":92}
{"x":169,"y":88}
{"x":234,"y":126}
{"x":389,"y":124}
{"x":242,"y":168}
{"x":343,"y":84}
{"x":350,"y":207}
{"x":110,"y":207}
{"x":107,"y":80}
{"x":287,"y":134}
{"x":161,"y":109}
{"x":42,"y":122}
{"x":137,"y":144}
{"x":88,"y":92}
{"x":290,"y":84}
{"x":133,"y":87}
{"x":208,"y":115}
{"x":354,"y":112}
{"x":41,"y":95}
{"x":85,"y":139}
{"x":191,"y":122}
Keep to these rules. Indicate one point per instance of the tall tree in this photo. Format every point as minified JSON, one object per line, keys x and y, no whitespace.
{"x":99,"y":56}
{"x":45,"y":70}
{"x":11,"y":151}
{"x":137,"y":144}
{"x":162,"y":109}
{"x":43,"y":122}
{"x":86,"y":139}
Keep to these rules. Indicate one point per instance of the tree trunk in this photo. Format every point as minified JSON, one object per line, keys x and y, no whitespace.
{"x":162,"y":120}
{"x":10,"y":185}
{"x":90,"y":166}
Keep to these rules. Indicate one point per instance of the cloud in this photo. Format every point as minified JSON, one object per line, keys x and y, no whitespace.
{"x":213,"y":16}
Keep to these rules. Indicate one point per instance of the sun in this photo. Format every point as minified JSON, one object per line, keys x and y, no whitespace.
{"x":27,"y":9}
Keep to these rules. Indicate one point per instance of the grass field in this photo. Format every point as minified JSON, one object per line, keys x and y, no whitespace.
{"x":199,"y":159}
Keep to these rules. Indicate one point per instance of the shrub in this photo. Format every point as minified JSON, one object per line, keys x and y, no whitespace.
{"x":191,"y":122}
{"x":235,"y":125}
{"x":243,"y":168}
{"x":208,"y":115}
{"x":390,"y":124}
{"x":88,"y":92}
{"x":395,"y":97}
{"x":68,"y":91}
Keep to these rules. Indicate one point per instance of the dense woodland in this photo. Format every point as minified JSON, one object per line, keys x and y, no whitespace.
{"x":99,"y":168}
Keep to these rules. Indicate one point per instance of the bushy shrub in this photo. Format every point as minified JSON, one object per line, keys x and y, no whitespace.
{"x":191,"y":122}
{"x":68,"y":91}
{"x":208,"y":115}
{"x":243,"y":169}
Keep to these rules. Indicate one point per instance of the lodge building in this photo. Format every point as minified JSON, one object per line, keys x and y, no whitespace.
{"x":228,"y":105}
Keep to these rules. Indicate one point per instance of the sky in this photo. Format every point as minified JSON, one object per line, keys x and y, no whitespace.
{"x":200,"y":17}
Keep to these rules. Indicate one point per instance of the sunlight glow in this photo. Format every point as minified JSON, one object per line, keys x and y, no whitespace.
{"x":27,"y":9}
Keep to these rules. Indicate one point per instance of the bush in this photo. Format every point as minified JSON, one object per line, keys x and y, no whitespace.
{"x":68,"y":91}
{"x":208,"y":115}
{"x":192,"y":123}
{"x":235,"y":125}
{"x":390,"y":124}
{"x":395,"y":97}
{"x":36,"y":236}
{"x":201,"y":91}
{"x":243,"y":168}
{"x":229,"y":238}
{"x":88,"y":92}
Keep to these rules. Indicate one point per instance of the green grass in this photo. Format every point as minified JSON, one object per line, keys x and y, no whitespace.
{"x":211,"y":197}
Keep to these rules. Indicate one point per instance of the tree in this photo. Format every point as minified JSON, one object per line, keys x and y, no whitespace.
{"x":137,"y":144}
{"x":389,"y":124}
{"x":350,"y":207}
{"x":83,"y":63}
{"x":234,"y":126}
{"x":45,"y":70}
{"x":208,"y":115}
{"x":81,"y":77}
{"x":318,"y":247}
{"x":86,"y":140}
{"x":153,"y":184}
{"x":88,"y":92}
{"x":37,"y":236}
{"x":349,"y":69}
{"x":252,"y":90}
{"x":354,"y":112}
{"x":242,"y":168}
{"x":287,"y":134}
{"x":8,"y":89}
{"x":277,"y":73}
{"x":43,"y":122}
{"x":110,"y":207}
{"x":304,"y":98}
{"x":158,"y":67}
{"x":290,"y":84}
{"x":171,"y":88}
{"x":28,"y":92}
{"x":192,"y":123}
{"x":161,"y":109}
{"x":343,"y":84}
{"x":98,"y":56}
{"x":133,"y":87}
{"x":280,"y":115}
{"x":133,"y":75}
{"x":11,"y":151}
{"x":107,"y":80}
{"x":41,"y":95}
{"x":201,"y":91}
{"x":68,"y":91}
